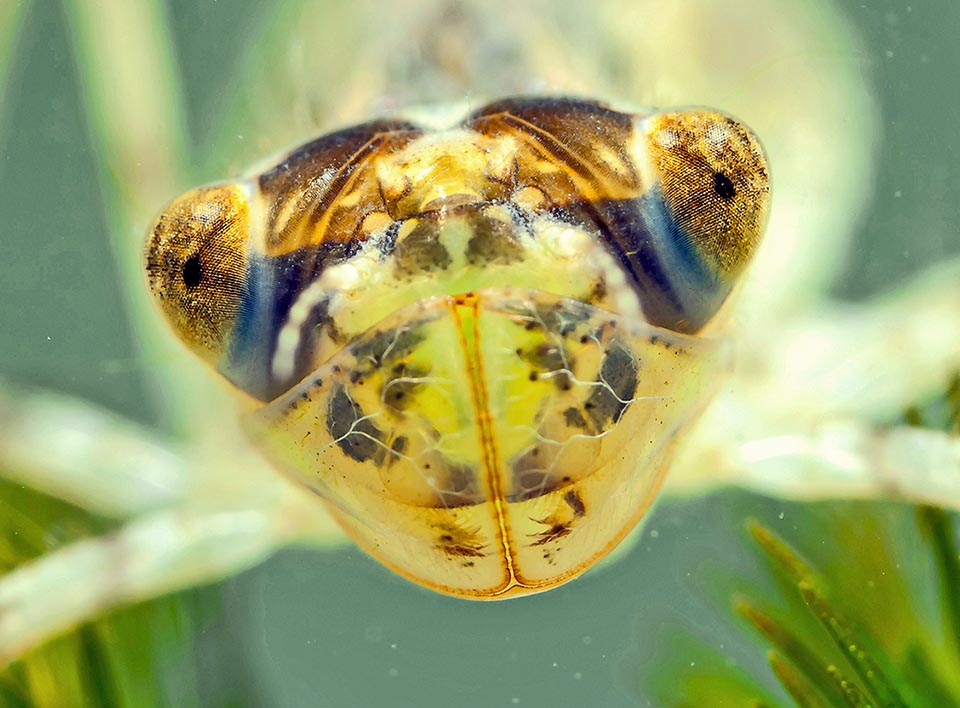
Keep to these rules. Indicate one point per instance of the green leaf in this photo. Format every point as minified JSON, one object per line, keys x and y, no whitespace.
{"x":852,"y":645}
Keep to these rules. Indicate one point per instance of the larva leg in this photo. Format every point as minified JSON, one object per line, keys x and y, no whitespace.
{"x":154,"y":555}
{"x":868,"y":360}
{"x":75,"y":451}
{"x":851,"y":461}
{"x":809,"y":405}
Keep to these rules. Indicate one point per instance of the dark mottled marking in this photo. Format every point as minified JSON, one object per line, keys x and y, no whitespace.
{"x":399,"y":395}
{"x":493,"y":241}
{"x":561,"y":318}
{"x":607,"y":403}
{"x":575,"y":502}
{"x":554,"y":533}
{"x":598,"y":290}
{"x":358,"y":440}
{"x":457,"y":549}
{"x":459,"y":478}
{"x":397,"y":447}
{"x":420,"y":251}
{"x":459,"y":487}
{"x":394,"y":344}
{"x":530,"y":479}
{"x":389,"y":240}
{"x":574,"y":418}
{"x":458,"y":543}
{"x":550,"y":360}
{"x":564,"y":318}
{"x":316,"y":323}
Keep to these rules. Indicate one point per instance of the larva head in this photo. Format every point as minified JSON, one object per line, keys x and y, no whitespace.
{"x":196,"y":263}
{"x":480,"y":345}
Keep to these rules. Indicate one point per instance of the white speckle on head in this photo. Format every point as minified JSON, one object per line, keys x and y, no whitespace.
{"x":717,"y":134}
{"x":562,"y":240}
{"x":284,"y":354}
{"x":666,"y":138}
{"x":320,"y":183}
{"x":646,"y":138}
{"x":207,"y":212}
{"x":624,"y":297}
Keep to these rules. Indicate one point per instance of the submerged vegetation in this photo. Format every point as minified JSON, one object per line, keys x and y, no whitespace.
{"x":113,"y":663}
{"x":867,"y":617}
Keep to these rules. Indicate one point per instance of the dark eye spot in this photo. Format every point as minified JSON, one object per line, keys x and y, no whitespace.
{"x":723,"y":186}
{"x":192,"y":272}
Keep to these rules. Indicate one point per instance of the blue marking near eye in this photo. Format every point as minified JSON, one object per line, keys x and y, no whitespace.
{"x":273,"y":285}
{"x":678,"y":250}
{"x":693,"y":280}
{"x":678,"y":287}
{"x":253,"y":340}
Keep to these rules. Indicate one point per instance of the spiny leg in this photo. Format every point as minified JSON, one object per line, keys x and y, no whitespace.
{"x":824,"y":390}
{"x":850,"y":460}
{"x":75,"y":451}
{"x":868,"y":360}
{"x":156,"y":554}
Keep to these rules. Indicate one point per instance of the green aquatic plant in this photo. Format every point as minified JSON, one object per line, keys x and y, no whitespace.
{"x":857,"y":671}
{"x":828,"y":645}
{"x":872,"y":622}
{"x":102,"y":664}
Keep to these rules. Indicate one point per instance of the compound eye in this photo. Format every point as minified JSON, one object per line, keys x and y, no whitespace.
{"x":713,"y":177}
{"x":195,"y":262}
